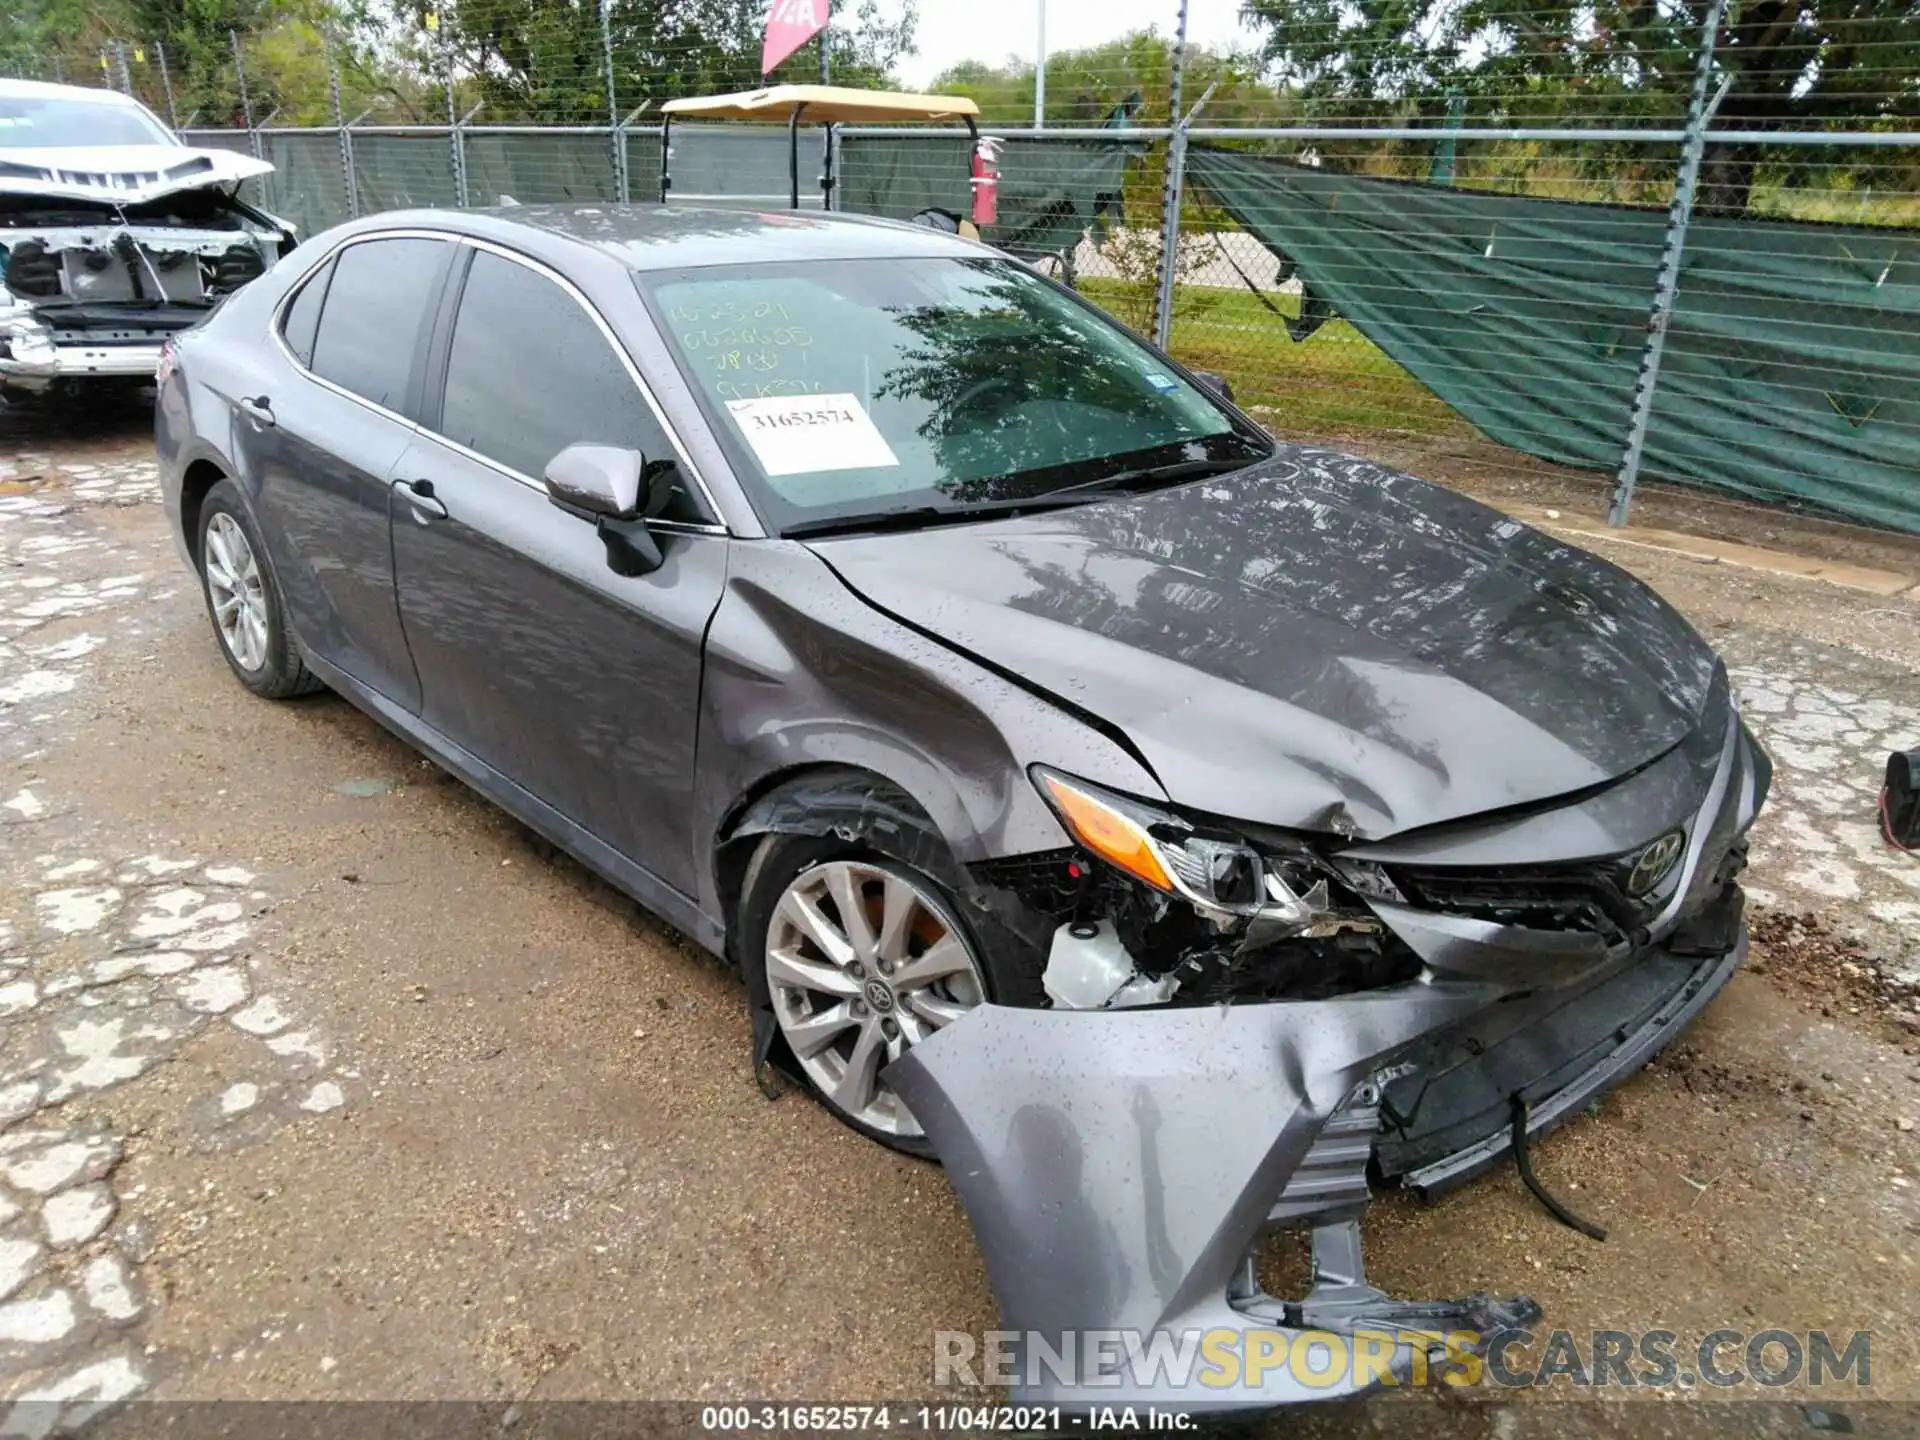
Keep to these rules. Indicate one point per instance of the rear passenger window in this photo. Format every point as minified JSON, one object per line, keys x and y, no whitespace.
{"x":370,"y":325}
{"x":520,"y":412}
{"x":302,"y":319}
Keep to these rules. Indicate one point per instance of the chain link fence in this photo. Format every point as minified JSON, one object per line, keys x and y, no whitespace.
{"x":1580,"y":257}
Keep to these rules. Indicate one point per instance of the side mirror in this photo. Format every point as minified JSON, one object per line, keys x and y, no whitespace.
{"x":599,"y":479}
{"x":1216,"y":383}
{"x":603,"y":483}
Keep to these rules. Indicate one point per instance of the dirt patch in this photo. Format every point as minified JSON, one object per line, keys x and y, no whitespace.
{"x":1831,"y":975}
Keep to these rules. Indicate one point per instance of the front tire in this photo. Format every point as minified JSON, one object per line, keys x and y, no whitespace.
{"x":243,"y":600}
{"x":863,"y":956}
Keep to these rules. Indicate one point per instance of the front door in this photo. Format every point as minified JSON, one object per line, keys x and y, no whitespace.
{"x":579,"y":685}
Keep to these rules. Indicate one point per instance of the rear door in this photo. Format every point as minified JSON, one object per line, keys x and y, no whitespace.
{"x":577,"y":684}
{"x":325,"y":442}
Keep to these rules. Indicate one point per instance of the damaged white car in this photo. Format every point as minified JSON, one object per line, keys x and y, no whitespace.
{"x":113,"y":235}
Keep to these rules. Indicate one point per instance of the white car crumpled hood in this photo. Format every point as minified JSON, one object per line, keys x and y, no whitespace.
{"x":123,"y":174}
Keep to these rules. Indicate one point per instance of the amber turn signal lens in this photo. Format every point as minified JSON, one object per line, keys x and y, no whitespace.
{"x":1107,"y":833}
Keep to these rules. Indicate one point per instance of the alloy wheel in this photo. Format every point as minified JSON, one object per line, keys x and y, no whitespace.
{"x":862,"y":963}
{"x":235,"y":589}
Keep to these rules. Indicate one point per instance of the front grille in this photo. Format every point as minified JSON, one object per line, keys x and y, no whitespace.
{"x":1331,"y":1179}
{"x":1585,"y":898}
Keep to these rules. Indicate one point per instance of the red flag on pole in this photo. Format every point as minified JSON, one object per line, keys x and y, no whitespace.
{"x":790,"y":24}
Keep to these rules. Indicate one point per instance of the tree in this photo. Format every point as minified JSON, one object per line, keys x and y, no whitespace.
{"x":1788,"y":64}
{"x":178,"y":55}
{"x":197,"y":35}
{"x":34,"y":33}
{"x":1085,"y":86}
{"x":521,"y":60}
{"x":1132,"y":74}
{"x":546,"y":59}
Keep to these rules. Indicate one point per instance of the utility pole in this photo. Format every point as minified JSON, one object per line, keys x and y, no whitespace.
{"x":349,"y":187}
{"x":1700,"y":108}
{"x":617,"y":136}
{"x":1040,"y":71}
{"x":456,"y":140}
{"x":166,"y":83}
{"x":246,"y":102}
{"x":1170,"y":192}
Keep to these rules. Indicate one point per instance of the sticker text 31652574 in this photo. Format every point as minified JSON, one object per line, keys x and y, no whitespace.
{"x":799,"y":434}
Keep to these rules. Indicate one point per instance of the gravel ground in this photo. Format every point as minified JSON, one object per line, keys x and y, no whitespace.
{"x":321,"y":1078}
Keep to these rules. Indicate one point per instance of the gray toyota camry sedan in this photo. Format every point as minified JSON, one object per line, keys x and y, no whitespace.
{"x":1176,"y":832}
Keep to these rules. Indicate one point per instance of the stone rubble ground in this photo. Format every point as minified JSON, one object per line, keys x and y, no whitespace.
{"x":1820,"y":839}
{"x":112,"y":966}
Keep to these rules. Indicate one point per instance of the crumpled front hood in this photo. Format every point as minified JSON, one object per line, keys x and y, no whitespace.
{"x":125,"y":174}
{"x":1315,"y":642}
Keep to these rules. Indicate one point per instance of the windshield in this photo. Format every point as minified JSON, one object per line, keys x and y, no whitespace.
{"x":845,"y":388}
{"x":30,"y":122}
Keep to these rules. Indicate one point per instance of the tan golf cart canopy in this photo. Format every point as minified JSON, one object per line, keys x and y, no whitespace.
{"x":818,"y":105}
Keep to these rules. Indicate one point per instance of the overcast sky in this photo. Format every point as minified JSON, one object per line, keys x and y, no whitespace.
{"x":991,"y":30}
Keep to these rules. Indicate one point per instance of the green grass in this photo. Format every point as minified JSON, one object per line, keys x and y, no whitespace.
{"x":1336,"y":382}
{"x":1862,"y":206}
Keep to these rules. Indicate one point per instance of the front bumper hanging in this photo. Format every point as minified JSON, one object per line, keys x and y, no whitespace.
{"x":1119,"y":1168}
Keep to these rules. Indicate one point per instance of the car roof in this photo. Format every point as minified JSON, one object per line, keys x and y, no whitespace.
{"x":49,"y":91}
{"x":661,"y":237}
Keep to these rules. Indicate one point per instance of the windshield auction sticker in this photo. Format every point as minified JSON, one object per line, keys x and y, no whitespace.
{"x":799,"y":434}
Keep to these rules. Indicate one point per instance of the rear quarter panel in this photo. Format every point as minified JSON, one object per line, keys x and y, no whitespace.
{"x":227,"y":355}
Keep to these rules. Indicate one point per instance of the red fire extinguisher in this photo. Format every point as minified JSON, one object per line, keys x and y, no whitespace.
{"x":986,"y":179}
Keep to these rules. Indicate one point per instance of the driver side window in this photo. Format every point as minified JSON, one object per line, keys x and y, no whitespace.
{"x":529,"y":373}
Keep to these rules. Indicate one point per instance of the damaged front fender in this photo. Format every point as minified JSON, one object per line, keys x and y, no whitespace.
{"x":1119,"y":1168}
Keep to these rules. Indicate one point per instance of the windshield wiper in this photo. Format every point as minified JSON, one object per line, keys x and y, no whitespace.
{"x":917,"y":517}
{"x":1153,"y":475}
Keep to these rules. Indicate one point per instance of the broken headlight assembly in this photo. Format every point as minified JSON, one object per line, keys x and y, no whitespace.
{"x":24,"y":338}
{"x":1174,"y":910}
{"x":1222,"y":876}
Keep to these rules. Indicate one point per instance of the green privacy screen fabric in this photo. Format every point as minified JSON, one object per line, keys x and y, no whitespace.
{"x":1792,"y":366}
{"x":1051,"y":191}
{"x":309,"y":181}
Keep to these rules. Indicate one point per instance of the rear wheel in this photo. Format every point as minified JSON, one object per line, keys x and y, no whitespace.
{"x":864,"y":957}
{"x":244,"y":601}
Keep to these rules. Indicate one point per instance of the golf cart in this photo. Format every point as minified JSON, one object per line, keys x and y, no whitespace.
{"x":831,"y":105}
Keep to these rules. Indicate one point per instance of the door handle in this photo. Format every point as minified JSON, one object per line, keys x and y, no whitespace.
{"x":420,"y":496}
{"x":257,"y":408}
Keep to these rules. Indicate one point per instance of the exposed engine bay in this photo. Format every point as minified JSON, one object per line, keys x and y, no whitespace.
{"x":1155,"y":907}
{"x":92,"y":286}
{"x":1120,"y":943}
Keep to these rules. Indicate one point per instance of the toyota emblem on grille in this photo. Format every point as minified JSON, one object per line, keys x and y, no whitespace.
{"x":1654,"y":863}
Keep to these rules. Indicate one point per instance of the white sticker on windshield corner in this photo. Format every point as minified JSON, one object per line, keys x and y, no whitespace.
{"x":1165,"y":384}
{"x":798,"y":434}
